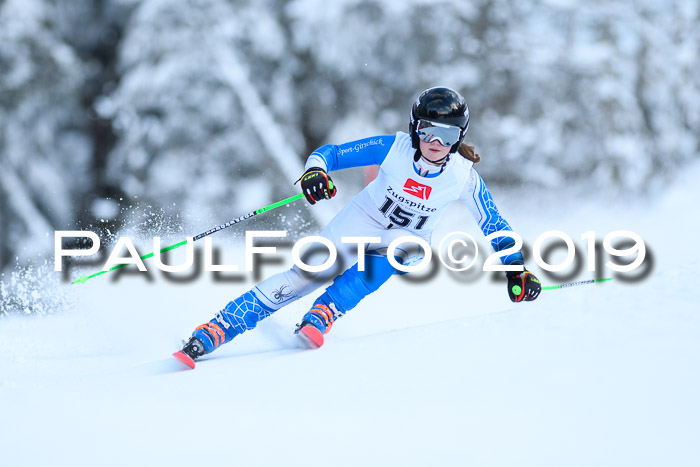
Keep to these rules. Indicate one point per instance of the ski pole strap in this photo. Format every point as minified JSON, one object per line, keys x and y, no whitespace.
{"x":574,"y":284}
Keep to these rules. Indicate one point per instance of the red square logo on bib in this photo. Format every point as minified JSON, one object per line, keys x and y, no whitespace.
{"x":414,"y":188}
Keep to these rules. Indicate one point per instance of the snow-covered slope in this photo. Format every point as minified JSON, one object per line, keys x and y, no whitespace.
{"x":440,"y":372}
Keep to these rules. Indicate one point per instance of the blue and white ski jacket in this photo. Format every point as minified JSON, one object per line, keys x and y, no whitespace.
{"x":404,"y":196}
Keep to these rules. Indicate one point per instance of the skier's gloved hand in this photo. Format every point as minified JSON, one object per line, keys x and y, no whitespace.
{"x":317,"y":185}
{"x":523,"y":286}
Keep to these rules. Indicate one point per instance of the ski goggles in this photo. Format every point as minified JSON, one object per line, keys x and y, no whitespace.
{"x":447,"y":135}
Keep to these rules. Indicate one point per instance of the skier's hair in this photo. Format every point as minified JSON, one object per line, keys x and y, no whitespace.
{"x":468,"y":152}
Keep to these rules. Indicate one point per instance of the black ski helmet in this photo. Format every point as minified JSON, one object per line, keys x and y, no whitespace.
{"x":441,"y":105}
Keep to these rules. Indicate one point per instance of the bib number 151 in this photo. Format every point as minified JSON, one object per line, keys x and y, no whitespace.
{"x":400,"y":217}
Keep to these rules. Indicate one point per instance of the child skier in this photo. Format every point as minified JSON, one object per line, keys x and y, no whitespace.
{"x":420,"y":174}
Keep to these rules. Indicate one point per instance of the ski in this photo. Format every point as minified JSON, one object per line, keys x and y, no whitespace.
{"x":184,"y":358}
{"x":311,"y":336}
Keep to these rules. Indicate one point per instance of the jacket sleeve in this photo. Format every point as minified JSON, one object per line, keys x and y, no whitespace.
{"x":477,"y":197}
{"x":368,"y":151}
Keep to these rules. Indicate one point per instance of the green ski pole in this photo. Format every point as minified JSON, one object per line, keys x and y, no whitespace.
{"x":84,"y":279}
{"x":574,"y":284}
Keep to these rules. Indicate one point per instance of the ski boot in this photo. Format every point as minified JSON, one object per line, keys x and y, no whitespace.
{"x":191,"y":350}
{"x":317,"y":322}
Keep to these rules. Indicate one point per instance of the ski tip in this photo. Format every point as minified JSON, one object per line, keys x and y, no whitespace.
{"x":311,"y":336}
{"x":184,"y":358}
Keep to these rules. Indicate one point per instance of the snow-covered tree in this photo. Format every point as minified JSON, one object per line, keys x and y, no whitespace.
{"x":204,"y":103}
{"x":44,"y":153}
{"x":187,"y":127}
{"x":600,"y":93}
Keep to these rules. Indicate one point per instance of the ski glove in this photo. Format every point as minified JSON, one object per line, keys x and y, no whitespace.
{"x":317,"y":185}
{"x":523,"y":286}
